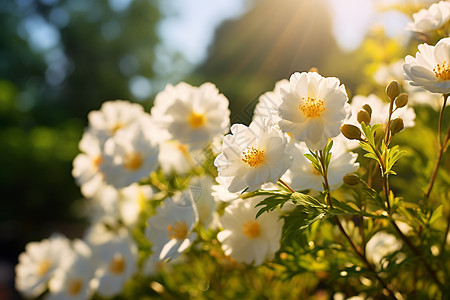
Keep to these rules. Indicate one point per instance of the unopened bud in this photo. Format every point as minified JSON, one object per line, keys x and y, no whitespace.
{"x":314,"y":69}
{"x":393,"y":90}
{"x":351,"y":179}
{"x":351,"y":132}
{"x":367,"y":108}
{"x":401,"y":100}
{"x":396,"y":125}
{"x":363,"y":116}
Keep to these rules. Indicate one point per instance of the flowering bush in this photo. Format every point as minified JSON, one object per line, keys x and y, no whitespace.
{"x":306,"y":188}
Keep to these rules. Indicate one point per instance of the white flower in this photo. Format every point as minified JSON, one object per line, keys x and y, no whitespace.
{"x":73,"y":280}
{"x":417,"y":95}
{"x":192,"y":115}
{"x":38,"y":263}
{"x":420,"y":96}
{"x":247,"y":239}
{"x":252,"y":156}
{"x":380,"y":245}
{"x":269,"y":102}
{"x":313,"y":108}
{"x":131,"y":154}
{"x":435,"y":17}
{"x":86,"y":165}
{"x":201,"y":189}
{"x":220,"y":191}
{"x":430,"y":68}
{"x":302,"y":175}
{"x":114,"y":116}
{"x":117,"y":262}
{"x":170,"y":230}
{"x":98,"y":233}
{"x":175,"y":157}
{"x":132,"y":201}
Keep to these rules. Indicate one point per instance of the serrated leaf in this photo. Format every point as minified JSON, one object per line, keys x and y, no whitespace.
{"x":271,"y":203}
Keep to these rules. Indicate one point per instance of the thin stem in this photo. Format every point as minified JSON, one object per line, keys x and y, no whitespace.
{"x":387,"y":133}
{"x":441,"y":148}
{"x":416,"y":252}
{"x":286,"y":185}
{"x":361,"y":255}
{"x":355,"y":247}
{"x":399,"y":232}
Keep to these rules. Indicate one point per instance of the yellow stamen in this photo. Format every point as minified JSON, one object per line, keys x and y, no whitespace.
{"x":74,"y":287}
{"x":97,"y":161}
{"x":251,"y":229}
{"x":196,"y":120}
{"x":117,"y":265}
{"x":178,"y":231}
{"x":43,"y":267}
{"x":312,"y":108}
{"x":442,"y":72}
{"x":133,"y":161}
{"x":117,"y":126}
{"x":253,"y":157}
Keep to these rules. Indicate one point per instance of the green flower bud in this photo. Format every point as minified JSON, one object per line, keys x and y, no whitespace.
{"x":363,"y":116}
{"x":351,"y":132}
{"x":396,"y":125}
{"x":367,"y":108}
{"x":351,"y":179}
{"x":401,"y":100}
{"x":393,"y":90}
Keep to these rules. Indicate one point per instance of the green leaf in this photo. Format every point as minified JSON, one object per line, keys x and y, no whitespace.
{"x":370,"y":152}
{"x":392,"y":156}
{"x":271,"y":203}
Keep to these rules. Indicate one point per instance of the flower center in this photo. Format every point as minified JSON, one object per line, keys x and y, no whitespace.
{"x":97,"y":161}
{"x":117,"y":126}
{"x":253,"y":157}
{"x":442,"y":72}
{"x":43,"y":267}
{"x":133,"y":161}
{"x":196,"y":120}
{"x":312,"y":108}
{"x":74,"y":287}
{"x":251,"y":229}
{"x":178,"y":230}
{"x":117,"y":265}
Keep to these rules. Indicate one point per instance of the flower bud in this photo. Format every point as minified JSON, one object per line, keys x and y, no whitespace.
{"x":351,"y":132}
{"x":393,"y":90}
{"x":401,"y":100}
{"x":363,"y":116}
{"x":396,"y":125}
{"x":367,"y":108}
{"x":351,"y":179}
{"x":314,"y":69}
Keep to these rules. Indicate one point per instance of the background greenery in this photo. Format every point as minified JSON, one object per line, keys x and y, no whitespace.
{"x":47,"y":92}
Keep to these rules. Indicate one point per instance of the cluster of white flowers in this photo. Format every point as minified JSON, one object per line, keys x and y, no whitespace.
{"x":125,"y":148}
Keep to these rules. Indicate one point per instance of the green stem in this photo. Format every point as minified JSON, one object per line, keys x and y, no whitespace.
{"x":354,"y":246}
{"x":286,"y":185}
{"x":441,"y":148}
{"x":400,"y":233}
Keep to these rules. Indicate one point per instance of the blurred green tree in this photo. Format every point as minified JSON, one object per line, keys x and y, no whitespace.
{"x":60,"y":59}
